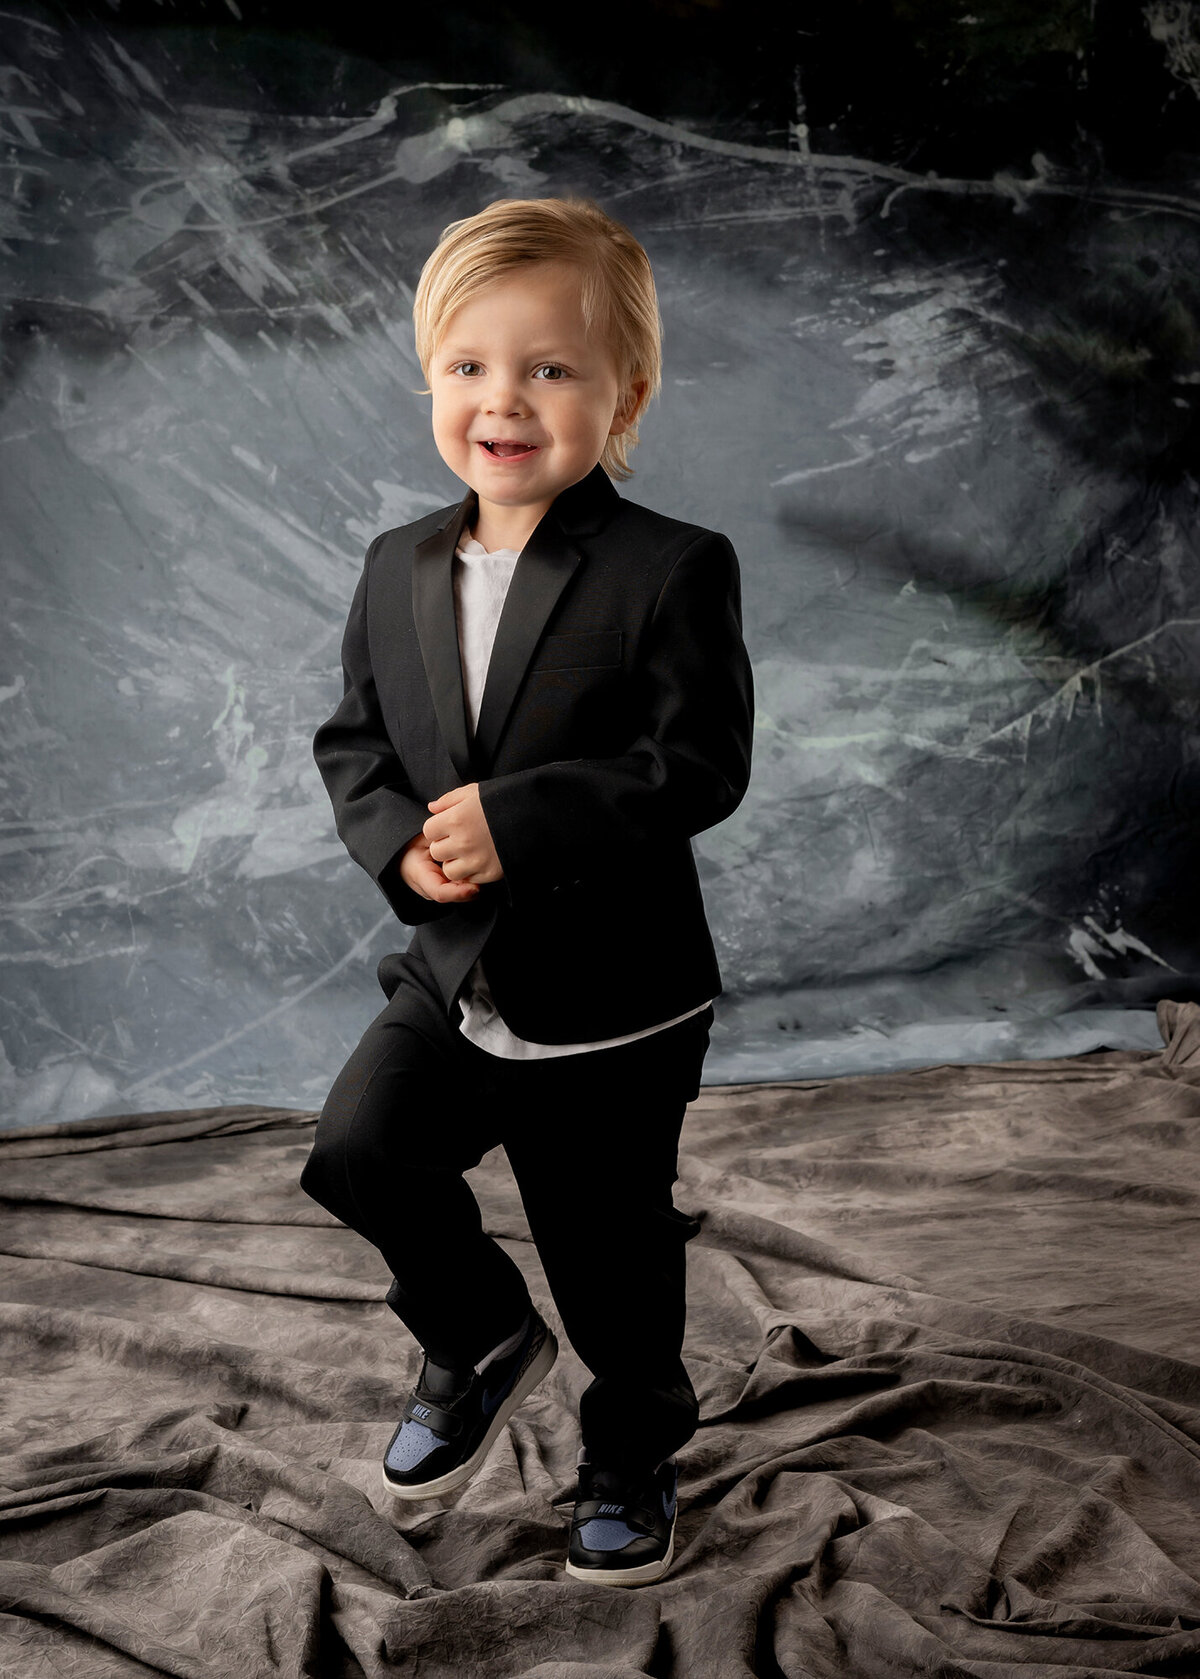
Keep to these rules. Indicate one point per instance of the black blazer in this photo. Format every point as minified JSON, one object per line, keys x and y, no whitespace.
{"x":615,"y":723}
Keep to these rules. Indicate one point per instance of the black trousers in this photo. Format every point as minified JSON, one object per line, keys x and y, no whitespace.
{"x":593,"y":1142}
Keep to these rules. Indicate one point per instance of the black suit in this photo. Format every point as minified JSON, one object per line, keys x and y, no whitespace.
{"x":615,"y":724}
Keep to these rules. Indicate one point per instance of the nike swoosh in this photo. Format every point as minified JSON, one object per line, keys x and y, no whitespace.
{"x":489,"y":1400}
{"x":669,"y":1509}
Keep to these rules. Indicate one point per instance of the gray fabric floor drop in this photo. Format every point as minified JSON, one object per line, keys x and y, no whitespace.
{"x":942,"y":1325}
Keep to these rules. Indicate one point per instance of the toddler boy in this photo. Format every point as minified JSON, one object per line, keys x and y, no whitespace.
{"x":546,"y":696}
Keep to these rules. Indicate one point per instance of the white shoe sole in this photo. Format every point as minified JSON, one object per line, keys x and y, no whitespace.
{"x":641,"y":1576}
{"x":538,"y":1367}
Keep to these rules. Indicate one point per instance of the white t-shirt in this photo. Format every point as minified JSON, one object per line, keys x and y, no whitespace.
{"x":481,"y":582}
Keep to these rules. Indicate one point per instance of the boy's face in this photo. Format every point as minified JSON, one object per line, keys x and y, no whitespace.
{"x":523,"y":399}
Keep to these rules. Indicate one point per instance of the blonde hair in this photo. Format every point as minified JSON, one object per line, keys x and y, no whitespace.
{"x":617,"y":292}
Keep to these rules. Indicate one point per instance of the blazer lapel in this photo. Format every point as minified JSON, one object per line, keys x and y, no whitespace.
{"x":548,"y":562}
{"x":437,"y":632}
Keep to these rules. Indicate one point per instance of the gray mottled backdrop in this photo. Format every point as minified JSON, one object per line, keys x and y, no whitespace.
{"x":946,"y":411}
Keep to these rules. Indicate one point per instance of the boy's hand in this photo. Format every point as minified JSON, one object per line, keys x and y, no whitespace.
{"x":460,"y":841}
{"x":419,"y":871}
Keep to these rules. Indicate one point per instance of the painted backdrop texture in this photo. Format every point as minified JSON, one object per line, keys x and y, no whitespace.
{"x":946,"y":412}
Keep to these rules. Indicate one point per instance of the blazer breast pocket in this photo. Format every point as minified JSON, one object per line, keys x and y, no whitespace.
{"x":596,"y":650}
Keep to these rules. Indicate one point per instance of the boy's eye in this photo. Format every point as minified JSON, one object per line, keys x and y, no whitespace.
{"x":469,"y":368}
{"x":550,"y":370}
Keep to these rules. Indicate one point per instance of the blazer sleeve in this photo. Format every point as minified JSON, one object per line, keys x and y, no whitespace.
{"x":687,"y":769}
{"x":373,"y":803}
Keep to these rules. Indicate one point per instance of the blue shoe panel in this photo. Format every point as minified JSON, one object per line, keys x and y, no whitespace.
{"x":604,"y":1534}
{"x":412,"y":1446}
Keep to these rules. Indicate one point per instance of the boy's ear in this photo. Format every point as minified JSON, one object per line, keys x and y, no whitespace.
{"x":629,"y":407}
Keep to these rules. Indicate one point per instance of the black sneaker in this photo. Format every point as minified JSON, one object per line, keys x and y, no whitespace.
{"x":453,"y":1416}
{"x":623,"y":1532}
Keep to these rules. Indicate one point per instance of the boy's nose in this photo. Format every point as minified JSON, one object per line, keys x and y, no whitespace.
{"x":502,"y":398}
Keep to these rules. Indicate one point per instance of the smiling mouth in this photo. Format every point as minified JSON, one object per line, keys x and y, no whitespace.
{"x":501,"y":450}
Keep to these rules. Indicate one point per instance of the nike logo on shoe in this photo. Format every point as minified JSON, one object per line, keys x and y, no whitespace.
{"x":669,"y":1509}
{"x":488,"y":1400}
{"x":491,"y":1397}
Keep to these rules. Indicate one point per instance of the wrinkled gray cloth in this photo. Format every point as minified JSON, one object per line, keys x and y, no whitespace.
{"x":942,"y":1326}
